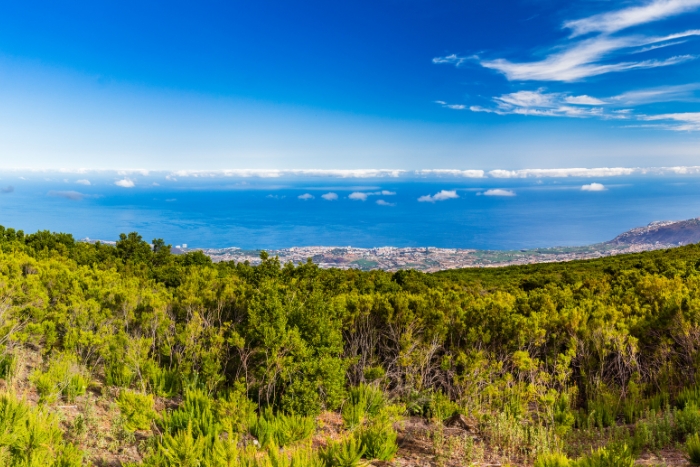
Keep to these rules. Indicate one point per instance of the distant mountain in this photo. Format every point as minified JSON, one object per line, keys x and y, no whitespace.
{"x":662,"y":232}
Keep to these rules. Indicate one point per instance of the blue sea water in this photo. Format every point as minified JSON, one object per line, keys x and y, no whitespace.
{"x":254,"y":213}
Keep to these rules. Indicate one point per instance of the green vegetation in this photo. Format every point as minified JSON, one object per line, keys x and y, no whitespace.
{"x":131,"y":354}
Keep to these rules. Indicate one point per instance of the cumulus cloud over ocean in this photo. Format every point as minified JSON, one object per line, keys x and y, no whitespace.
{"x":442,"y":195}
{"x":497,"y":192}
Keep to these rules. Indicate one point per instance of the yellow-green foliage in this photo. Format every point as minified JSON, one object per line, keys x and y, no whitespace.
{"x":63,"y":377}
{"x":346,"y":453}
{"x":531,"y":352}
{"x":620,"y":456}
{"x":29,"y":437}
{"x":552,"y":459}
{"x":281,"y":429}
{"x":692,"y":448}
{"x":236,"y":409}
{"x":137,"y":409}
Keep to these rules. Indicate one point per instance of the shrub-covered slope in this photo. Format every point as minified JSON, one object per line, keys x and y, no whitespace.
{"x":135,"y":354}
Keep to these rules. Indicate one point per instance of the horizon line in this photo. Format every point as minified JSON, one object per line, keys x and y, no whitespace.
{"x":378,"y":173}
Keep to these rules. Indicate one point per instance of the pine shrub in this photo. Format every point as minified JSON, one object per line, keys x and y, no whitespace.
{"x":346,"y":453}
{"x":281,"y":429}
{"x":63,"y":377}
{"x":692,"y":448}
{"x":552,"y":459}
{"x":137,"y":409}
{"x":620,"y":456}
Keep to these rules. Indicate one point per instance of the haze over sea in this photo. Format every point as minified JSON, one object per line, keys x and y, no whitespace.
{"x":301,"y":210}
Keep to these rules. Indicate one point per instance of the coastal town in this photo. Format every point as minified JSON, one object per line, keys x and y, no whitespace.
{"x":424,"y":259}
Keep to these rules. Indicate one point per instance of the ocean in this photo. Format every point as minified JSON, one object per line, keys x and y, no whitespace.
{"x":285,"y":211}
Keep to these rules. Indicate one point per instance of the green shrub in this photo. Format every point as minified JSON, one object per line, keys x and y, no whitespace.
{"x":603,"y":412}
{"x":235,"y":411}
{"x":7,"y":365}
{"x":161,"y":381}
{"x":620,"y":456}
{"x":655,"y":432}
{"x":688,"y":420}
{"x":378,"y":441}
{"x":552,"y":459}
{"x":364,"y":401}
{"x":688,"y":396}
{"x":632,"y":411}
{"x":347,"y":453}
{"x":195,"y":413}
{"x":692,"y":448}
{"x":118,"y":374}
{"x":31,"y":437}
{"x":441,"y":407}
{"x":137,"y":409}
{"x":63,"y":377}
{"x":353,"y":415}
{"x":374,"y":373}
{"x":281,"y":429}
{"x":660,"y":401}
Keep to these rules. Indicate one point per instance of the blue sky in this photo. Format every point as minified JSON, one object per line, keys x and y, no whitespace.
{"x":408,"y":84}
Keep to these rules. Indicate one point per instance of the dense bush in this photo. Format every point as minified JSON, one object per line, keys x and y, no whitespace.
{"x":532,"y":354}
{"x":30,"y":437}
{"x":137,"y":409}
{"x":63,"y":377}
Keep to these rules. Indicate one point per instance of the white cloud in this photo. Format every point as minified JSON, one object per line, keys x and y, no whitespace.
{"x":542,"y":104}
{"x":584,"y":100}
{"x":621,"y":19}
{"x":276,"y":173}
{"x":601,"y":52}
{"x":454,"y":59}
{"x":358,"y":196}
{"x":442,"y":195}
{"x":583,"y":59}
{"x":306,"y":196}
{"x":563,"y":173}
{"x":498,"y":192}
{"x":125,"y":183}
{"x":684,"y":92}
{"x":683,"y":121}
{"x":381,"y":202}
{"x":83,"y":182}
{"x":593,"y":187}
{"x":452,"y":172}
{"x":143,"y":172}
{"x":362,"y":196}
{"x":330,"y":196}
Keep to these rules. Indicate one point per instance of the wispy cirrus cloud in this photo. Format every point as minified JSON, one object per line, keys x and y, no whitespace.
{"x":598,"y":44}
{"x":681,"y":121}
{"x":546,"y":104}
{"x":615,"y":21}
{"x":585,"y":59}
{"x":454,"y":59}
